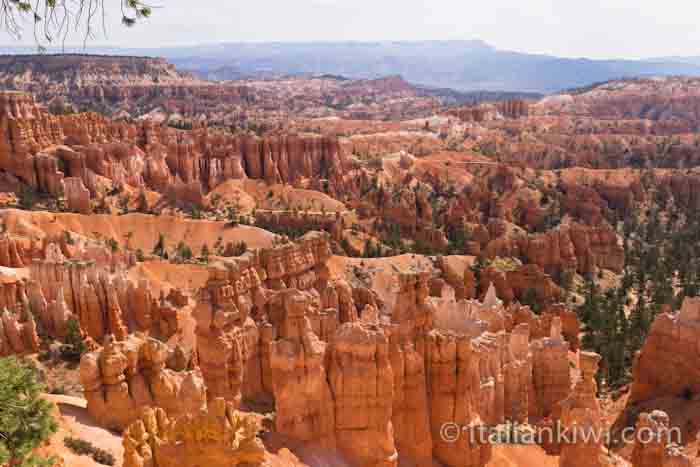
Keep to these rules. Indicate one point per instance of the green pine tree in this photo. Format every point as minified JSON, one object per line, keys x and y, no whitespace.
{"x":25,"y":418}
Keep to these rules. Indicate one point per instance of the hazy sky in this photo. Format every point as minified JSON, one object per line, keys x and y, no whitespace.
{"x":571,"y":28}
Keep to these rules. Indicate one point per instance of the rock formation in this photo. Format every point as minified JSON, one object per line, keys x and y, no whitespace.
{"x":655,"y":445}
{"x":663,"y":367}
{"x":430,"y":360}
{"x":13,"y":253}
{"x":551,"y":379}
{"x":77,"y":196}
{"x":517,"y":375}
{"x":18,"y":333}
{"x":458,"y":395}
{"x":218,"y":437}
{"x":124,"y":377}
{"x":581,"y":419}
{"x":513,"y":108}
{"x":361,"y":381}
{"x":273,"y":291}
{"x":303,"y":399}
{"x":575,"y":248}
{"x":103,"y":302}
{"x":518,"y":283}
{"x":410,"y":419}
{"x":43,"y":150}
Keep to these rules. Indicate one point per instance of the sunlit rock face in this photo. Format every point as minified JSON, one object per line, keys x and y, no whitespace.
{"x":219,"y":436}
{"x":663,"y":367}
{"x":126,"y":376}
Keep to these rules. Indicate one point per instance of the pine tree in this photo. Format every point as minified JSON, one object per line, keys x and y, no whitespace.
{"x":159,"y":248}
{"x":531,"y":299}
{"x":205,"y":253}
{"x":75,"y":346}
{"x":476,"y":268}
{"x":25,"y":418}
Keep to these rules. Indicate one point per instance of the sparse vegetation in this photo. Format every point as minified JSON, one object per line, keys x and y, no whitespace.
{"x":86,"y":448}
{"x":74,"y":346}
{"x":159,"y":248}
{"x":27,"y":198}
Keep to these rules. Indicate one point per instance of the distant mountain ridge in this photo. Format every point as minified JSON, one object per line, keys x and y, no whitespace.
{"x":459,"y":65}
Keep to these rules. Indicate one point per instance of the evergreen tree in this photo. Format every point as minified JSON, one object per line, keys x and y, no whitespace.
{"x":159,"y":248}
{"x":74,"y":346}
{"x":476,"y":268}
{"x":25,"y":418}
{"x":531,"y":299}
{"x":204,"y":254}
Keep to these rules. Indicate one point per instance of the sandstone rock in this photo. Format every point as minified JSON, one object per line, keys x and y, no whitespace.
{"x":513,"y":108}
{"x":581,"y":414}
{"x":410,"y":420}
{"x":413,"y":312}
{"x":77,"y":196}
{"x":102,"y":302}
{"x":571,"y":247}
{"x":304,"y":403}
{"x":361,"y":381}
{"x":655,"y":444}
{"x":218,"y":437}
{"x":550,"y":374}
{"x":456,"y":396}
{"x":662,"y":367}
{"x":540,"y":325}
{"x":182,"y":165}
{"x":12,"y":252}
{"x":519,"y":282}
{"x":517,"y":371}
{"x":18,"y":334}
{"x":126,"y":376}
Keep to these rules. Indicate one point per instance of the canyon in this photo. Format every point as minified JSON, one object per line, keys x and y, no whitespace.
{"x":344,"y":280}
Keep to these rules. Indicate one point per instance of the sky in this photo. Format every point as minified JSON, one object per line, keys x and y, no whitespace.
{"x":567,"y":28}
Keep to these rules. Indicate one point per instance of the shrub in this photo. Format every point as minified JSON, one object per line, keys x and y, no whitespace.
{"x":183,"y":251}
{"x":113,"y":245}
{"x":27,"y":198}
{"x":142,"y":203}
{"x":232,"y":216}
{"x":58,"y":390}
{"x":74,"y":347}
{"x":68,"y":237}
{"x":687,"y":394}
{"x":103,"y":457}
{"x":78,"y":446}
{"x":86,"y":448}
{"x":159,"y":248}
{"x":205,"y":253}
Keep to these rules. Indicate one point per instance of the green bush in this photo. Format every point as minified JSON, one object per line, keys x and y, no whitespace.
{"x":74,"y":347}
{"x":159,"y":248}
{"x":58,"y":390}
{"x":27,"y":198}
{"x":86,"y":448}
{"x":78,"y":446}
